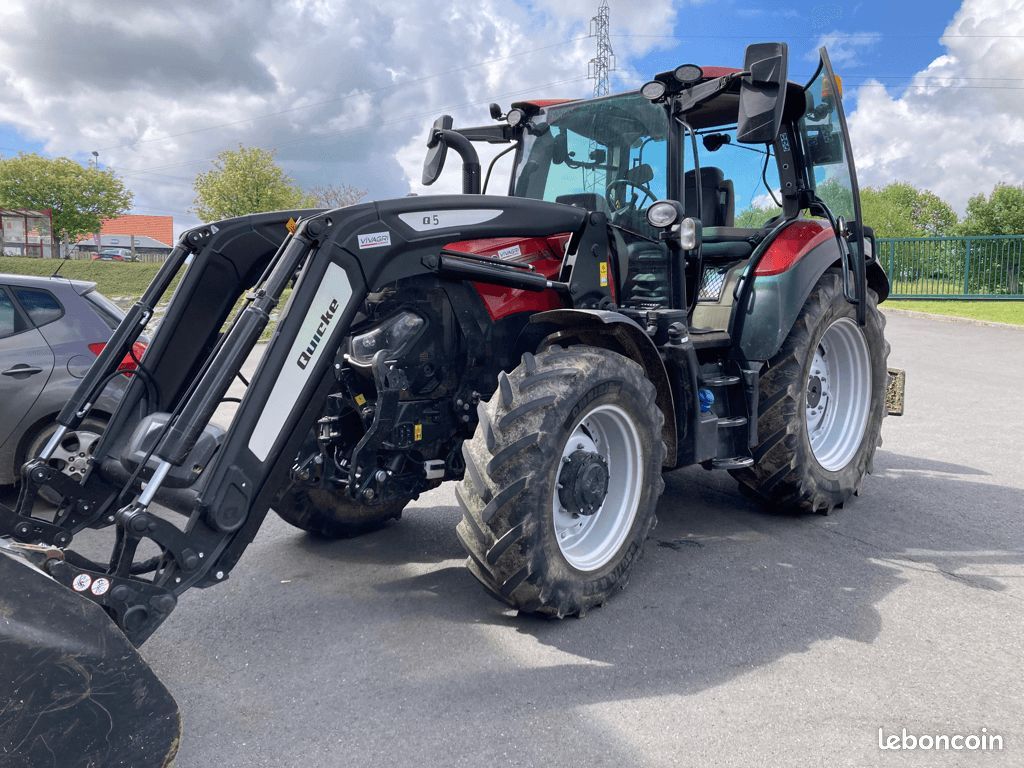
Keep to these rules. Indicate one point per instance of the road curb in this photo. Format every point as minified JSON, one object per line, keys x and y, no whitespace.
{"x":948,"y":318}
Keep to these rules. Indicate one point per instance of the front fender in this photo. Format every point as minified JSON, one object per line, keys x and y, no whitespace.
{"x":618,"y":333}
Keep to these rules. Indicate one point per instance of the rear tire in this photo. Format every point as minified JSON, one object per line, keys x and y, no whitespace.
{"x":822,"y":402}
{"x":333,"y":515}
{"x":583,"y":413}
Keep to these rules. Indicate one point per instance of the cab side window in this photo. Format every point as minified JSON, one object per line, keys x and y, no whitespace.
{"x":10,"y":319}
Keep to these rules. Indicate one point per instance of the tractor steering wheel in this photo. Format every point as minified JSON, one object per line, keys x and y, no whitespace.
{"x":616,"y":206}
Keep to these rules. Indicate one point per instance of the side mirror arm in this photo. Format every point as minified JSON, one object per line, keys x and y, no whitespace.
{"x":470,"y":159}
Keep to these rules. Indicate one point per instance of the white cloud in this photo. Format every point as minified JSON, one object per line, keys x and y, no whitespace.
{"x":845,"y":48}
{"x":343,"y":90}
{"x":959,"y":128}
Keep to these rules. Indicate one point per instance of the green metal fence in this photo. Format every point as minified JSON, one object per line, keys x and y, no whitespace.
{"x":986,"y":267}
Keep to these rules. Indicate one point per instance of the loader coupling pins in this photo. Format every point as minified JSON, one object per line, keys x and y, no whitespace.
{"x":583,"y":482}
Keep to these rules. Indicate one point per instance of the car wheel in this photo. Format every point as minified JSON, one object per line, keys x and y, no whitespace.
{"x":72,"y":455}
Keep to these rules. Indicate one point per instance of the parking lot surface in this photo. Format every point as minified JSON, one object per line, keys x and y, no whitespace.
{"x":743,"y":639}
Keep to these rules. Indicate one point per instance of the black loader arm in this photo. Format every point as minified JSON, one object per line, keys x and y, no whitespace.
{"x":225,"y":482}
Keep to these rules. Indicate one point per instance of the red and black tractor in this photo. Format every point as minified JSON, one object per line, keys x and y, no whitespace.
{"x":553,"y":350}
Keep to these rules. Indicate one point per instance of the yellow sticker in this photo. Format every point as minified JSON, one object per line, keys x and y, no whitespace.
{"x":360,"y":400}
{"x":417,"y":432}
{"x":604,"y":274}
{"x":290,"y":225}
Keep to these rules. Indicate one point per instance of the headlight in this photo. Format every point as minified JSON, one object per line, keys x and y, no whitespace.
{"x":653,"y":90}
{"x":687,"y":74}
{"x":688,"y":234}
{"x":394,"y":334}
{"x":663,"y":213}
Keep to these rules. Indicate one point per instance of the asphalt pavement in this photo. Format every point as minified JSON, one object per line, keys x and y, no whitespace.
{"x":743,"y":639}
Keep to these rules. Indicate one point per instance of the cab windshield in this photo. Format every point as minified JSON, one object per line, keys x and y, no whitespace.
{"x":614,"y":151}
{"x":614,"y":148}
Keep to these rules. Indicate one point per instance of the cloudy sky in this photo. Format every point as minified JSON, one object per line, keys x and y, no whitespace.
{"x":344,"y":90}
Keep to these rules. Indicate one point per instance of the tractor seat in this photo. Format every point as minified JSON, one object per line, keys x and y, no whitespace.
{"x":717,"y":197}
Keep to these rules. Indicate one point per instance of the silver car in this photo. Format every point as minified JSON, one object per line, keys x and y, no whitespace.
{"x":51,"y":330}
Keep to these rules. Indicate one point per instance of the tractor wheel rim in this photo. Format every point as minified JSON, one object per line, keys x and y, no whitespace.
{"x":838,"y":395}
{"x":589,"y":541}
{"x":73,"y":454}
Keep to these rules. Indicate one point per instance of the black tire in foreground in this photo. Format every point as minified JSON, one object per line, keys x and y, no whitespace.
{"x":333,"y":515}
{"x":562,"y":480}
{"x":822,"y":402}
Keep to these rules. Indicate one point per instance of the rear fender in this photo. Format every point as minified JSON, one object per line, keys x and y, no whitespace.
{"x":616,"y":332}
{"x":776,"y":299}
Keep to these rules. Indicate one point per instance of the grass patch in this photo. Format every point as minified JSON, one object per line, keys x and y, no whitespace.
{"x":113,"y":279}
{"x":993,"y":311}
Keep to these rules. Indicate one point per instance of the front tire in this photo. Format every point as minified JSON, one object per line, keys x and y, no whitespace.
{"x":822,"y":402}
{"x":562,"y":480}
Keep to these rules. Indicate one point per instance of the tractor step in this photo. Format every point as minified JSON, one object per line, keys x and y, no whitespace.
{"x":710,"y":339}
{"x":736,"y":462}
{"x":734,"y":421}
{"x":721,"y":381}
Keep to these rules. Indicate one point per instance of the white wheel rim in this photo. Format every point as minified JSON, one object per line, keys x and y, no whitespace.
{"x":589,"y":541}
{"x":73,"y":453}
{"x":838,"y":395}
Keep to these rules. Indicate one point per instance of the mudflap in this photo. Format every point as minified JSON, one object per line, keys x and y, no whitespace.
{"x":73,"y":691}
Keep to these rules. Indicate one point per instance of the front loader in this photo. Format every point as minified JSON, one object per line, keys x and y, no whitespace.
{"x":553,"y":350}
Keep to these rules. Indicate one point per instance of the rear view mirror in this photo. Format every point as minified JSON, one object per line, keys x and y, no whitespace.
{"x":762,"y":93}
{"x":437,"y":149}
{"x":560,"y":149}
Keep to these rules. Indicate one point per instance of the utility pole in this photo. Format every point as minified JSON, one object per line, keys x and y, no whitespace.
{"x":603,"y":63}
{"x":599,"y":69}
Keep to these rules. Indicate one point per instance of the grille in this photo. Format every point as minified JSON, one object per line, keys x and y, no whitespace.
{"x":712,"y":283}
{"x":647,"y":287}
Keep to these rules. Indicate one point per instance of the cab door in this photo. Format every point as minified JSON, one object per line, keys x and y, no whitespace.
{"x":833,"y":176}
{"x":26,"y":362}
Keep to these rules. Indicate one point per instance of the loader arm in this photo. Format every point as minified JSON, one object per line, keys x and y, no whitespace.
{"x":335,"y":258}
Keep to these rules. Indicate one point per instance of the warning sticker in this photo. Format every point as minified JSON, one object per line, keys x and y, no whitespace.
{"x":417,"y":432}
{"x":100,"y":586}
{"x":604,"y":274}
{"x":81,"y":582}
{"x":360,"y":399}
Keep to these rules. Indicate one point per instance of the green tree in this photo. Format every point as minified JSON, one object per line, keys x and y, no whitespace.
{"x":755,"y":216}
{"x":900,"y":210}
{"x":336,"y":195}
{"x":79,"y":198}
{"x":243,"y":181}
{"x":1001,"y":213}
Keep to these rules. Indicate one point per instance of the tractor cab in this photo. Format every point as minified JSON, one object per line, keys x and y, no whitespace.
{"x":759,"y":167}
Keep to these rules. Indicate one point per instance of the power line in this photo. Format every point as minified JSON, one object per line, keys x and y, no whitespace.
{"x":936,"y":86}
{"x":833,"y":35}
